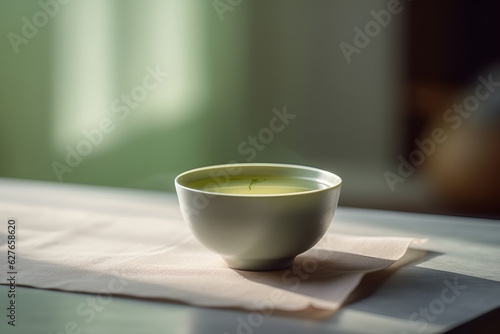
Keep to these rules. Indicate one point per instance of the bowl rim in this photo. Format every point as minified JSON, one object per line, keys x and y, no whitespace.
{"x":257,"y":164}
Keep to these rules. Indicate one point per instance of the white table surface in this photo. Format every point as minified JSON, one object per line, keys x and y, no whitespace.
{"x":461,"y":250}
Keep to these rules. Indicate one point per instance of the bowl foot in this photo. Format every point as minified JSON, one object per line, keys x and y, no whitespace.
{"x":259,"y":264}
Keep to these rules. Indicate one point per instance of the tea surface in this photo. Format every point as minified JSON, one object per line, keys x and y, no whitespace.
{"x":258,"y":185}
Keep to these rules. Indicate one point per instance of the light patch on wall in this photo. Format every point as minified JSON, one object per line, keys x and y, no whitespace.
{"x":168,"y":34}
{"x":92,"y":69}
{"x":82,"y":69}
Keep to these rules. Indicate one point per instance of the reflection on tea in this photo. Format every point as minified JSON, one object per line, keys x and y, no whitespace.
{"x":258,"y":185}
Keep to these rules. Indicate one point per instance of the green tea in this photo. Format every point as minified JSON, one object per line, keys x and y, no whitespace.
{"x":258,"y":185}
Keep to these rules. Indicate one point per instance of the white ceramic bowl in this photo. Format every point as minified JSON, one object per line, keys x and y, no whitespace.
{"x":258,"y":231}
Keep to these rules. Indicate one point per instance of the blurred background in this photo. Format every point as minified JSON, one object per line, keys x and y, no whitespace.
{"x":129,"y":94}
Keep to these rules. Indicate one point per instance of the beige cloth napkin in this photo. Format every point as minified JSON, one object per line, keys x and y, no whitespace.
{"x":158,"y":258}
